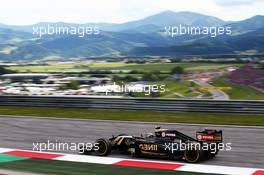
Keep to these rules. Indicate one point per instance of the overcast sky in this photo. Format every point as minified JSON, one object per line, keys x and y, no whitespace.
{"x":21,"y":12}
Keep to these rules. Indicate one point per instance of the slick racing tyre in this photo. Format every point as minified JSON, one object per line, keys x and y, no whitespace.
{"x":103,"y":147}
{"x":192,"y":155}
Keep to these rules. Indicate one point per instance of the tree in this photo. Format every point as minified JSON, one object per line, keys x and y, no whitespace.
{"x":73,"y":84}
{"x":128,"y":78}
{"x":262,"y":65}
{"x":177,"y":70}
{"x":153,"y":76}
{"x":3,"y":70}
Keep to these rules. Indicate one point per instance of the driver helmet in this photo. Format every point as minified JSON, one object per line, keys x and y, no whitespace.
{"x":157,"y":128}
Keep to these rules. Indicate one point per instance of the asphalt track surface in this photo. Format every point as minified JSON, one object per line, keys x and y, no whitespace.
{"x":21,"y":132}
{"x":216,"y":94}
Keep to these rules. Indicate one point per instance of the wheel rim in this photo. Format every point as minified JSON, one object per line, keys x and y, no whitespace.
{"x":102,"y":147}
{"x":192,"y":155}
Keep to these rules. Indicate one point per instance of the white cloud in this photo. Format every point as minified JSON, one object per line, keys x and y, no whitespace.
{"x":235,"y":2}
{"x":117,"y":11}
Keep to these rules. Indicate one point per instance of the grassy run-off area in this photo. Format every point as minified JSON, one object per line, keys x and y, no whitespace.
{"x":238,"y":91}
{"x":144,"y":116}
{"x":164,"y":67}
{"x":76,"y":168}
{"x":176,"y":89}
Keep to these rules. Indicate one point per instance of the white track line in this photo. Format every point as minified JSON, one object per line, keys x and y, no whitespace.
{"x":217,"y":169}
{"x":199,"y":168}
{"x":89,"y":159}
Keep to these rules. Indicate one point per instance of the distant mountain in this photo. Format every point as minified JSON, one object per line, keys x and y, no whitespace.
{"x":252,"y":41}
{"x":11,"y":40}
{"x":8,"y":35}
{"x":141,"y":37}
{"x":154,"y":22}
{"x":29,"y":28}
{"x":107,"y":43}
{"x":248,"y":25}
{"x":167,"y":18}
{"x":29,"y":52}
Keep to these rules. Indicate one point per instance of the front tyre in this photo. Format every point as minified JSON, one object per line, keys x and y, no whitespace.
{"x":103,"y":147}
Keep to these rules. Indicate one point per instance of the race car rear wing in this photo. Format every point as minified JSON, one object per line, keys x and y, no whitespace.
{"x":209,"y":135}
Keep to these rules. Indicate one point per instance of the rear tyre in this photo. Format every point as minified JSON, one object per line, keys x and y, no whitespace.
{"x":103,"y":147}
{"x":192,"y":155}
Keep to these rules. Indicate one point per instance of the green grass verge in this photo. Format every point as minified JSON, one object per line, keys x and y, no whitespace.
{"x":145,"y":116}
{"x":69,"y":168}
{"x":176,"y":89}
{"x":165,"y":67}
{"x":168,"y":66}
{"x":238,"y":91}
{"x":10,"y":158}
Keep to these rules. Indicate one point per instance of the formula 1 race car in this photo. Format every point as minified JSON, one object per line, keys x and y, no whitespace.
{"x":163,"y":143}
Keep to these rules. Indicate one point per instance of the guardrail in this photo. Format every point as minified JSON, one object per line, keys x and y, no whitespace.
{"x":154,"y":104}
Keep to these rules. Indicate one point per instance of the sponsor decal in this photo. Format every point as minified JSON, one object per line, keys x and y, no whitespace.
{"x":164,"y":134}
{"x":206,"y":137}
{"x":148,"y":147}
{"x":170,"y":134}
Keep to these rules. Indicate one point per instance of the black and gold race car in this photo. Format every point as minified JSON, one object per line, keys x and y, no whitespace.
{"x":163,"y":143}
